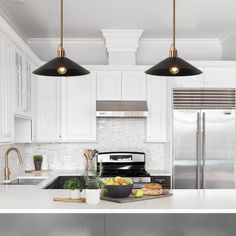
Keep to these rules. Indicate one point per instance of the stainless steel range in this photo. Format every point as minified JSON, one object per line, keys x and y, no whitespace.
{"x":124,"y":164}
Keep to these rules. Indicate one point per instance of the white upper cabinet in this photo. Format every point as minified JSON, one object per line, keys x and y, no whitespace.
{"x":134,"y":86}
{"x":196,"y":81}
{"x":46,"y":119}
{"x":156,"y":130}
{"x":79,"y":108}
{"x":220,"y":77}
{"x":6,"y":108}
{"x":109,"y":85}
{"x":212,"y":77}
{"x":23,"y":74}
{"x":121,"y":85}
{"x":65,"y":109}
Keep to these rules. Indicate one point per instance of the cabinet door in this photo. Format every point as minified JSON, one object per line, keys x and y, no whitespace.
{"x":220,"y":77}
{"x":157,"y":107}
{"x":26,"y":89}
{"x":7,"y":91}
{"x":79,"y":108}
{"x":134,"y":86}
{"x":1,"y":91}
{"x":47,"y":113}
{"x":196,"y":81}
{"x":23,"y":85}
{"x":108,"y":85}
{"x":6,"y":116}
{"x":18,"y":83}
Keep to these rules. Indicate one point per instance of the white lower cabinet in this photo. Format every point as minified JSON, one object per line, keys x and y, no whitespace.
{"x":79,"y":108}
{"x":65,"y":109}
{"x":157,"y":108}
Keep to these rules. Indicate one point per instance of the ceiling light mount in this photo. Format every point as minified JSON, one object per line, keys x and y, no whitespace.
{"x":61,"y":65}
{"x":173,"y":65}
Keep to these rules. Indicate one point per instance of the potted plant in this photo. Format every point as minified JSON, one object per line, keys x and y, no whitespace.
{"x":93,"y":186}
{"x":38,"y":159}
{"x":75,"y":188}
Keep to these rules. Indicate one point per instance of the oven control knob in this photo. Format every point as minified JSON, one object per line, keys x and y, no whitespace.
{"x":140,"y":180}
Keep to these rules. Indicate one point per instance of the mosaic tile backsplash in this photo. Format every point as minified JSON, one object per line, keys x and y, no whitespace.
{"x":112,"y":135}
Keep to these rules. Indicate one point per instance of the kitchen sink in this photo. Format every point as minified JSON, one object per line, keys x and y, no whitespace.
{"x":25,"y":181}
{"x":59,"y":182}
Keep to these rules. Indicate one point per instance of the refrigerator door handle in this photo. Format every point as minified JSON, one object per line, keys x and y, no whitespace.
{"x":198,"y":141}
{"x":203,"y":149}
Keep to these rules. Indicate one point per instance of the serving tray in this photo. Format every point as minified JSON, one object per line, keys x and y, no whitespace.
{"x":132,"y":198}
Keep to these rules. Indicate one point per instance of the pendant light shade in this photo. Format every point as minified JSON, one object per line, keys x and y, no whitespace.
{"x":173,"y":65}
{"x":61,"y":66}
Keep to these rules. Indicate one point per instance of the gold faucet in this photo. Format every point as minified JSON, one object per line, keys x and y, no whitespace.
{"x":7,"y":171}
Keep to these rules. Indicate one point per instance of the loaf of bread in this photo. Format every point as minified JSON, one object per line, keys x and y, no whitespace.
{"x":152,"y":192}
{"x":154,"y":186}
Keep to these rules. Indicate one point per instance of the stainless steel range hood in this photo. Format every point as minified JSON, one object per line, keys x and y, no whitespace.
{"x":129,"y":109}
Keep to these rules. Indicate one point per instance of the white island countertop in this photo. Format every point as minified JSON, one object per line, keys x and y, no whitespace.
{"x":35,"y":199}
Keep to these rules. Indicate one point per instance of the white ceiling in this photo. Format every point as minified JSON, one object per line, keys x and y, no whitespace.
{"x":85,"y":18}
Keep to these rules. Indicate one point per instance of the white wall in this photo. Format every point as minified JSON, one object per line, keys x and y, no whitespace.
{"x":113,"y":134}
{"x":150,"y":51}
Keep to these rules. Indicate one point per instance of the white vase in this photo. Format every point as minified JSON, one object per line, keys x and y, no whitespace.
{"x":75,"y":194}
{"x":92,"y":196}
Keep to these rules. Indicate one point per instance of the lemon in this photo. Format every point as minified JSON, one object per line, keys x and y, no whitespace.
{"x":139,"y":193}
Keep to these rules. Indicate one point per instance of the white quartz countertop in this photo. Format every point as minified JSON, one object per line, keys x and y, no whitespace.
{"x":34,"y":199}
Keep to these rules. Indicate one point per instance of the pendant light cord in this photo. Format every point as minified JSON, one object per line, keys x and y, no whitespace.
{"x":174,"y":29}
{"x":62,"y":26}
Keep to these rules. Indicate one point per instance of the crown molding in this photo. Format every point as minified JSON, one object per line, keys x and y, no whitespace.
{"x":229,"y":35}
{"x":152,"y":42}
{"x":122,"y":40}
{"x":81,"y":42}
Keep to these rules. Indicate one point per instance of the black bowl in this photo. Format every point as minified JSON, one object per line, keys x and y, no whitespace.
{"x":118,"y":191}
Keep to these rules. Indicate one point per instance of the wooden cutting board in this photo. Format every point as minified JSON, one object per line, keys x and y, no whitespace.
{"x":132,"y":198}
{"x":36,"y":171}
{"x":69,"y":200}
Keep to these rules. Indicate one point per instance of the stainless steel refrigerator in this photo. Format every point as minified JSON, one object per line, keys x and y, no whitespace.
{"x":204,"y":139}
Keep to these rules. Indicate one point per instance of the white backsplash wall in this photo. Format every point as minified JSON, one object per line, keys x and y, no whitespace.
{"x":113,"y":134}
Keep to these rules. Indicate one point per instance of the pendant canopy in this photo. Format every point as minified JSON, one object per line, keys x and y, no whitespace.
{"x":61,"y":66}
{"x":173,"y":65}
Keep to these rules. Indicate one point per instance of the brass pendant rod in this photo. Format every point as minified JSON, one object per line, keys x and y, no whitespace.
{"x":62,"y":22}
{"x":174,"y":27}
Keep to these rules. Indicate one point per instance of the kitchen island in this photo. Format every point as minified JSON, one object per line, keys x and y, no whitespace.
{"x":35,"y":199}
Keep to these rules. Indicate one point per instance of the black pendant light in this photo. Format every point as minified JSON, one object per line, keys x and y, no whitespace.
{"x":61,"y":65}
{"x":173,"y":65}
